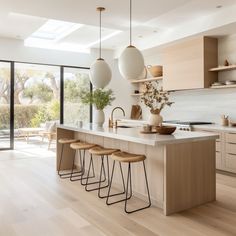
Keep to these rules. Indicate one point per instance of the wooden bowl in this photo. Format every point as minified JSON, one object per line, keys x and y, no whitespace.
{"x":155,"y":71}
{"x":232,"y":124}
{"x":165,"y":129}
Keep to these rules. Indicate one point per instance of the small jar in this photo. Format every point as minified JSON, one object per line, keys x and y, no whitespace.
{"x":147,"y":128}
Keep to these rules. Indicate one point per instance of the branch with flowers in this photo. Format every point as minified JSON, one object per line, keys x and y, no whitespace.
{"x":155,"y":98}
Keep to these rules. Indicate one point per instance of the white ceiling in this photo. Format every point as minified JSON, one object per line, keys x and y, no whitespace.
{"x":151,"y":18}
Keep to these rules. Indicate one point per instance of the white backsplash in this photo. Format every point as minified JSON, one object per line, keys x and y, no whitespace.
{"x":200,"y":105}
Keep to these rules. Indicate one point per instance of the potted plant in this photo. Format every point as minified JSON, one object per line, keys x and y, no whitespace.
{"x":100,"y":98}
{"x":156,"y":99}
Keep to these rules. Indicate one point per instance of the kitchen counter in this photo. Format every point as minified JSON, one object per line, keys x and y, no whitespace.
{"x":215,"y":127}
{"x":180,"y":167}
{"x":133,"y":135}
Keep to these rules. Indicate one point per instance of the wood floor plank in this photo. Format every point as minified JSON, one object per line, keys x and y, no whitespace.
{"x":34,"y":201}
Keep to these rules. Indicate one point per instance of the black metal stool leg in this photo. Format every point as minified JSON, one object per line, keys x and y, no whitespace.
{"x":109,"y":190}
{"x":109,"y":182}
{"x":66,"y":175}
{"x":85,"y":178}
{"x":127,"y":189}
{"x":102,"y":169}
{"x":59,"y":168}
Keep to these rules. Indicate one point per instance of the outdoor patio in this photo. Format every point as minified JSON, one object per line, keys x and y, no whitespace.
{"x":35,"y":148}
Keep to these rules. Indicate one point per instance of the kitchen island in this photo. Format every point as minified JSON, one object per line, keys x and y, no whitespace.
{"x":180,"y":167}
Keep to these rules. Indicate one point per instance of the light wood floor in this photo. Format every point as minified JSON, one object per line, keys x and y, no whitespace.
{"x":35,"y":202}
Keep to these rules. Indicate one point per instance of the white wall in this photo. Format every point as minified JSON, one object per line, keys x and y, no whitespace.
{"x":121,"y":88}
{"x":206,"y":104}
{"x":14,"y":50}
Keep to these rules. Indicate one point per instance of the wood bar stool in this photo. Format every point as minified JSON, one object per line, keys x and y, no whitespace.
{"x":129,"y":158}
{"x":102,"y":152}
{"x":81,"y":147}
{"x":63,"y":142}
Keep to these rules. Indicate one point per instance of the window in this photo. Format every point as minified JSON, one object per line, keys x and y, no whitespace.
{"x":76,"y":80}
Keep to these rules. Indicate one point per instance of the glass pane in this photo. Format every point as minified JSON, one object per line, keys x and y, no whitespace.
{"x":5,"y":76}
{"x":75,"y":80}
{"x":37,"y":100}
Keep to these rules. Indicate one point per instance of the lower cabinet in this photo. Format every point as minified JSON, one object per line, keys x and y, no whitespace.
{"x":225,"y":150}
{"x":230,"y":162}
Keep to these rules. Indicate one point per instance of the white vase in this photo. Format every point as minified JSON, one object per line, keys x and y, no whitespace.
{"x":155,"y":119}
{"x":99,"y":117}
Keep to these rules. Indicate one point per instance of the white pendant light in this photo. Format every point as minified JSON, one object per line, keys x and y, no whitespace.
{"x":131,"y":62}
{"x":100,"y":72}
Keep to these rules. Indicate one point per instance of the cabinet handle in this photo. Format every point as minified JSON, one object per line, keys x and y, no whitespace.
{"x":232,"y":154}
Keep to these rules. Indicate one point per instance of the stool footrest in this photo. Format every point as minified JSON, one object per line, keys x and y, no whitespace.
{"x":68,"y":175}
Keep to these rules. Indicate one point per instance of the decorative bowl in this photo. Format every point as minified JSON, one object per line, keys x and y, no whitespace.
{"x":165,"y":129}
{"x":155,"y":71}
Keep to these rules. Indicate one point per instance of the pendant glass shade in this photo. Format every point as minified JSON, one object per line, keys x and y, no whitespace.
{"x":100,"y":74}
{"x":131,"y":63}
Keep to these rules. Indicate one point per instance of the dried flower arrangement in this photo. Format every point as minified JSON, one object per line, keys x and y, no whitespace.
{"x":155,"y":98}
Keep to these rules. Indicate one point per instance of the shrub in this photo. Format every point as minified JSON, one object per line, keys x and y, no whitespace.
{"x":23,"y":115}
{"x":46,"y":112}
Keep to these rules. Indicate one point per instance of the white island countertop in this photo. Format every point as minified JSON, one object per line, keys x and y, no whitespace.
{"x":134,"y":135}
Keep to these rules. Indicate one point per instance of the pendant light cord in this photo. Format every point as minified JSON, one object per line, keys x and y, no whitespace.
{"x":100,"y":35}
{"x":130,"y":22}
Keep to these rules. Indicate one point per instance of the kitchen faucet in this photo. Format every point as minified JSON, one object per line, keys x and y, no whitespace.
{"x":111,"y":122}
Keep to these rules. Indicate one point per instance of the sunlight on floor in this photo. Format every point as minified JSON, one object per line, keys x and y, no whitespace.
{"x":34,"y":149}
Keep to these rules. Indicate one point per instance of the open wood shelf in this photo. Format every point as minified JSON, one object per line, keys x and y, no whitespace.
{"x":224,"y":86}
{"x":136,"y":94}
{"x":146,"y":80}
{"x":223,"y":68}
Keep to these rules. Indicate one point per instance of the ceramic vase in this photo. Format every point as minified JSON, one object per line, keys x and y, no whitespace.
{"x":155,"y":119}
{"x":99,"y":117}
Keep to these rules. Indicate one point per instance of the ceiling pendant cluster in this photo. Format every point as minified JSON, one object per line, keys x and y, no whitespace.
{"x":100,"y":72}
{"x":131,"y":62}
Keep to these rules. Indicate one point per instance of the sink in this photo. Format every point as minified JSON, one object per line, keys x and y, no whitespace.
{"x":124,"y":126}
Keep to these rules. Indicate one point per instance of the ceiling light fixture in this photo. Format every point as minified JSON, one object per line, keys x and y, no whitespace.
{"x":131,"y":62}
{"x":100,"y":72}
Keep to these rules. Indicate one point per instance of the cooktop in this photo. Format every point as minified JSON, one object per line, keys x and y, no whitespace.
{"x":187,"y":122}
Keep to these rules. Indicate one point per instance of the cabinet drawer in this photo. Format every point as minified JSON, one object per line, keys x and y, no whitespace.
{"x":230,"y":162}
{"x":230,"y":137}
{"x":218,"y":146}
{"x":218,"y":160}
{"x":231,"y":148}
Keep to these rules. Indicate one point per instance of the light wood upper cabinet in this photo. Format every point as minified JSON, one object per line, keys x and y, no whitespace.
{"x":186,"y":64}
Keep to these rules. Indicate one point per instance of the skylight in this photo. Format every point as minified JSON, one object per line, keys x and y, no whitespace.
{"x":55,"y":30}
{"x":67,"y":36}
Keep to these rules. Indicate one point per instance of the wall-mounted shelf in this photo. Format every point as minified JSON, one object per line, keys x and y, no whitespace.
{"x":136,"y":94}
{"x":146,"y":80}
{"x":224,"y":86}
{"x":223,"y":68}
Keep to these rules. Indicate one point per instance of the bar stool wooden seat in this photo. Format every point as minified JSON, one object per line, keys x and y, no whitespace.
{"x":125,"y":157}
{"x":102,"y":153}
{"x":80,"y":146}
{"x":63,"y":142}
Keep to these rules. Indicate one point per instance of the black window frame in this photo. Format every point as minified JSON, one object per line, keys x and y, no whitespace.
{"x":12,"y":76}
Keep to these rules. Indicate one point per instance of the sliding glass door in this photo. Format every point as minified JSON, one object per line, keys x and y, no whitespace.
{"x":34,"y":95}
{"x":75,"y":81}
{"x":6,"y":111}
